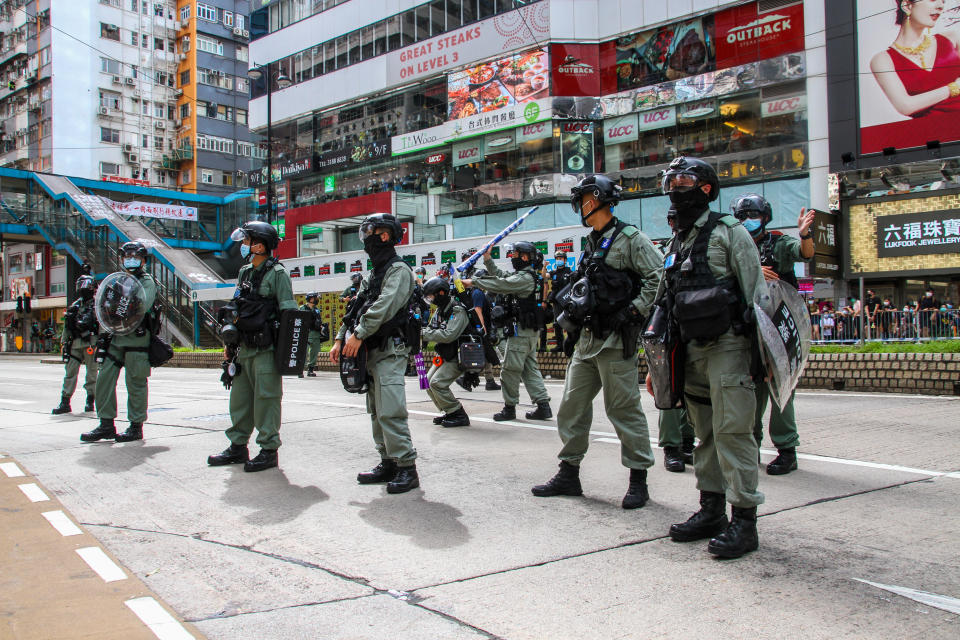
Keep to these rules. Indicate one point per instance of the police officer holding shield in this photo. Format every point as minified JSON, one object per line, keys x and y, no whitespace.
{"x":128,"y":352}
{"x":79,"y":340}
{"x":381,"y":329}
{"x":712,"y":277}
{"x":621,"y":267}
{"x":316,"y":337}
{"x":450,"y":321}
{"x":522,"y":318}
{"x":778,"y":253}
{"x":249,"y":332}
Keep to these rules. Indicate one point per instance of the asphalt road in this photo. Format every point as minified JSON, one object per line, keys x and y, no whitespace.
{"x":305,"y":552}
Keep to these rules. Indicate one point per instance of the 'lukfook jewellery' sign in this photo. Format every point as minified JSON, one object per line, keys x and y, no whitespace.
{"x":915,"y":234}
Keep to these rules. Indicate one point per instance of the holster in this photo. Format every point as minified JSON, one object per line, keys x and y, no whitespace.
{"x":630,"y":335}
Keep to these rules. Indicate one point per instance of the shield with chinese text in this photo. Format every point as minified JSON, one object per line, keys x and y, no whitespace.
{"x":784,"y":339}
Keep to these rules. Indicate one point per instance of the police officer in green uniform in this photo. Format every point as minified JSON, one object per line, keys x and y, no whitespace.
{"x":778,"y":253}
{"x":263,"y":292}
{"x":621,"y":266}
{"x":676,"y":439}
{"x":524,"y":317}
{"x":712,"y":276}
{"x":128,"y":352}
{"x":79,"y":344}
{"x":315,"y":338}
{"x":450,"y":321}
{"x":381,"y":328}
{"x":356,"y":282}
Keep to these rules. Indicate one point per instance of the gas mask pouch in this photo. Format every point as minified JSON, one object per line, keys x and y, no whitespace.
{"x":353,"y":371}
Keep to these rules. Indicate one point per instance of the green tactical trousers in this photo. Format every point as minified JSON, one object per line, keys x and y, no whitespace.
{"x":313,"y":348}
{"x":387,"y":404}
{"x":520,"y":362}
{"x":255,"y":400}
{"x":440,"y":380}
{"x":79,"y":355}
{"x":136,"y":366}
{"x":621,"y":399}
{"x":674,"y":426}
{"x":720,"y":399}
{"x":783,"y":422}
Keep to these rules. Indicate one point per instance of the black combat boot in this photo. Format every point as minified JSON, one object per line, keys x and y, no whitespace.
{"x":64,"y":406}
{"x":300,"y":375}
{"x":673,"y":460}
{"x":458,"y":418}
{"x":405,"y":480}
{"x":565,"y":483}
{"x":383,"y":472}
{"x":90,"y":404}
{"x":106,"y":431}
{"x":492,"y":386}
{"x":507,"y":413}
{"x":311,"y":372}
{"x":784,"y":463}
{"x":686,"y":450}
{"x":266,"y":459}
{"x":542,"y":412}
{"x":439,"y":419}
{"x":739,"y":537}
{"x":637,"y":494}
{"x":706,"y":523}
{"x":234,"y":454}
{"x":133,"y":432}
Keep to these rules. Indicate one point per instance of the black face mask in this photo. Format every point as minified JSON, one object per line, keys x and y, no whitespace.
{"x":378,"y":250}
{"x":689,"y":205}
{"x":86,"y":294}
{"x":518,"y":263}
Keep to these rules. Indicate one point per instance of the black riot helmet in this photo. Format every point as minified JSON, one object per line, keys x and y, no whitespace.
{"x":420,"y":271}
{"x":599,"y":186}
{"x":259,"y":232}
{"x":752,"y":205}
{"x":356,"y":278}
{"x":314,"y":296}
{"x":560,"y":256}
{"x":132,"y":249}
{"x":686,"y":174}
{"x":528,"y":248}
{"x":86,"y":286}
{"x":382,"y":221}
{"x":435,"y":289}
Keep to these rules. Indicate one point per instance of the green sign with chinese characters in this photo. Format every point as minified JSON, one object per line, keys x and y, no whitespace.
{"x":329,"y":184}
{"x":281,"y":227}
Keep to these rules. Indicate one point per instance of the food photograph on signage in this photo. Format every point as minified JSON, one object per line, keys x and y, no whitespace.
{"x":498,"y":84}
{"x":668,"y":53}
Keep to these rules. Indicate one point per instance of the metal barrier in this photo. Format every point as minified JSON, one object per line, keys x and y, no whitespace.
{"x":886,"y":325}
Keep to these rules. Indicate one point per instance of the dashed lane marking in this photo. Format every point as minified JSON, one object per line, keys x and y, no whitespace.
{"x":97,"y":560}
{"x":59,"y":520}
{"x":946,"y":603}
{"x":11,"y":469}
{"x":33,"y":492}
{"x":12,"y":401}
{"x":163,"y":625}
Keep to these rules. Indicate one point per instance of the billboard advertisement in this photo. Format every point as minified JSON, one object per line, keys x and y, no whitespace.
{"x":745,"y":34}
{"x":575,"y":69}
{"x":905,"y":74}
{"x":498,"y":84}
{"x":669,"y":52}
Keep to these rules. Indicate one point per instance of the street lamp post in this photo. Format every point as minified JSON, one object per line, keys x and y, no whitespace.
{"x":255,"y":73}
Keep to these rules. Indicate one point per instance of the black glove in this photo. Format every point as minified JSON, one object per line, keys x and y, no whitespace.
{"x":626,"y":316}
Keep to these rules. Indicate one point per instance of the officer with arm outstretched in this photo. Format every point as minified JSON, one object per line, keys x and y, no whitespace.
{"x":712,"y":277}
{"x":251,"y":321}
{"x":523,"y":318}
{"x":621,"y":268}
{"x":317,"y":336}
{"x":127,"y":352}
{"x":381,"y":329}
{"x":778,"y":253}
{"x":450,"y":321}
{"x":79,"y":340}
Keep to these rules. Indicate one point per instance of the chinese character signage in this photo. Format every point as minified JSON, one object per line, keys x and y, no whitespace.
{"x":153,"y":210}
{"x":918,"y":233}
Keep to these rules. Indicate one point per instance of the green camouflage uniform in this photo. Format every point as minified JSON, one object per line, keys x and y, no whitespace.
{"x":80,"y":351}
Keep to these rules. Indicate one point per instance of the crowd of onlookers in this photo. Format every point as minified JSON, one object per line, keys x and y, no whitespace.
{"x":876,"y":318}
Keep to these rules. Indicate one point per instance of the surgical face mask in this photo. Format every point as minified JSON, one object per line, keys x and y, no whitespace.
{"x":131,"y":263}
{"x":753,"y":225}
{"x":929,"y":294}
{"x":244,"y":250}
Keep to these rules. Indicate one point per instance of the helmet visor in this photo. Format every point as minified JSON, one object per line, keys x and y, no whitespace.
{"x":366,"y":230}
{"x":746,"y":208}
{"x":238,"y":235}
{"x":576,"y":199}
{"x":679,"y":182}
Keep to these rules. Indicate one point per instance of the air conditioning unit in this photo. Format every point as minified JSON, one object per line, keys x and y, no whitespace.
{"x":182,"y":57}
{"x":237,"y":31}
{"x":184,"y":24}
{"x":128,"y":147}
{"x":160,"y":124}
{"x":130,"y":81}
{"x":117,"y":80}
{"x":246,"y":34}
{"x":102,"y":111}
{"x":31,"y":79}
{"x":136,"y":94}
{"x":178,"y":92}
{"x":178,"y":123}
{"x":133,"y":158}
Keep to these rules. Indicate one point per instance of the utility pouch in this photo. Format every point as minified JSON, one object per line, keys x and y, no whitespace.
{"x":159,"y":352}
{"x":471,"y":356}
{"x":703,"y":314}
{"x":353,"y":372}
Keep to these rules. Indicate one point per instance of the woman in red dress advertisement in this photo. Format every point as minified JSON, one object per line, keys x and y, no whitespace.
{"x":920,"y":73}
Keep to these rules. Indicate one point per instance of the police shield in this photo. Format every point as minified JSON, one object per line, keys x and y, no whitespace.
{"x":291,"y":351}
{"x":120,"y":303}
{"x":784,"y":339}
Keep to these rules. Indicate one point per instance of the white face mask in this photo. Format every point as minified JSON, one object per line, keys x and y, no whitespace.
{"x":929,"y":294}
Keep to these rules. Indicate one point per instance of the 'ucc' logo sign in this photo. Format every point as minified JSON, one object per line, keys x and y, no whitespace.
{"x":577,"y":127}
{"x":620,"y":132}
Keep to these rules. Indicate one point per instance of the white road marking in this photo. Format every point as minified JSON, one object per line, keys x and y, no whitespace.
{"x":935,"y":600}
{"x":33,"y":492}
{"x":62,"y":523}
{"x":12,"y":401}
{"x":163,"y":625}
{"x":97,"y":560}
{"x":848,"y":394}
{"x":11,"y":469}
{"x":610,"y":440}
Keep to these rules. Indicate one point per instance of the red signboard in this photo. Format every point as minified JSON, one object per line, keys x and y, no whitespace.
{"x":406,"y":233}
{"x":436,"y":158}
{"x":575,"y":69}
{"x":743,"y":34}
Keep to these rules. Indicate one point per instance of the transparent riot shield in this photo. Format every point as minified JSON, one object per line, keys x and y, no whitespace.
{"x":120,"y":303}
{"x":784,"y":339}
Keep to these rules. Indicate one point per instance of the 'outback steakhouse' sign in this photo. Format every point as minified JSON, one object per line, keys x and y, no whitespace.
{"x":918,"y":233}
{"x":743,"y":34}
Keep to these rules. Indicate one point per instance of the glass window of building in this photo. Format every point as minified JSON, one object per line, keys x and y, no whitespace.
{"x":485,"y":8}
{"x":353,"y":46}
{"x":342,"y":52}
{"x":366,"y":42}
{"x":408,"y":28}
{"x":438,"y":17}
{"x":423,"y":22}
{"x":394,"y":36}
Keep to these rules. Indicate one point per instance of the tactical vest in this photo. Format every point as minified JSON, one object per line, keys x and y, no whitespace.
{"x":767,"y":259}
{"x":448,"y":350}
{"x":395,"y":327}
{"x":81,"y":320}
{"x":529,"y":311}
{"x":612,"y":289}
{"x":256,"y":314}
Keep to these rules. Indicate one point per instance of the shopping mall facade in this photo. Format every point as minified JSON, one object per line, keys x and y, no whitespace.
{"x":457,"y":114}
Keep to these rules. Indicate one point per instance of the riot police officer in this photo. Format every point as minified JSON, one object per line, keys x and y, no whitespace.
{"x":382,"y":329}
{"x":778,"y":253}
{"x":127,"y":352}
{"x":621,"y":267}
{"x":712,"y":276}
{"x":263,"y":292}
{"x":521,"y":318}
{"x":559,"y":278}
{"x":450,"y":321}
{"x":79,"y":340}
{"x":348,"y":294}
{"x":676,"y":437}
{"x":317,"y":336}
